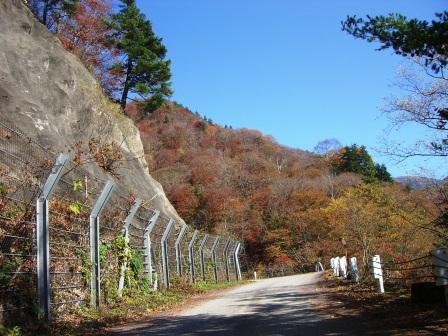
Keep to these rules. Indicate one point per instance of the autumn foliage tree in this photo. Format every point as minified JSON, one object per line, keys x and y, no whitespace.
{"x":52,"y":12}
{"x":289,"y":207}
{"x":374,"y":218}
{"x":119,"y":48}
{"x":276,"y":199}
{"x":85,"y":34}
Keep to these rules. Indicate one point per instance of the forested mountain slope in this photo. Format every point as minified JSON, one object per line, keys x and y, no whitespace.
{"x":279,"y":200}
{"x":289,"y":207}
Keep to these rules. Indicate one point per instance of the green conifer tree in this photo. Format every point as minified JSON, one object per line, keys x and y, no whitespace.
{"x":146,"y":72}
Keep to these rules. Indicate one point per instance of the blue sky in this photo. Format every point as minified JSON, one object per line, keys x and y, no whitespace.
{"x":286,"y":68}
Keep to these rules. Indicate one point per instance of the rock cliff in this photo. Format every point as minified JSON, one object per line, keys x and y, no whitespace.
{"x":48,"y":93}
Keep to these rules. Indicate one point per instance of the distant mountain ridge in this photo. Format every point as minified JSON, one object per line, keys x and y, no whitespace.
{"x":418,"y":182}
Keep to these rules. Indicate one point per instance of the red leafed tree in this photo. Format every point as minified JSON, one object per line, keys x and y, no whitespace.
{"x":184,"y":200}
{"x":85,"y":35}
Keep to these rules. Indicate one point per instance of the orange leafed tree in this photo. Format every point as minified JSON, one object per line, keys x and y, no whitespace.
{"x":85,"y":35}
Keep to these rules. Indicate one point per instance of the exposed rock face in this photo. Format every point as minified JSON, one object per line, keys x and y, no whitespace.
{"x":48,"y":93}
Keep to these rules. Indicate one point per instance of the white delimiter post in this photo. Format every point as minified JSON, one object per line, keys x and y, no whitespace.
{"x":378,"y":272}
{"x":440,"y":268}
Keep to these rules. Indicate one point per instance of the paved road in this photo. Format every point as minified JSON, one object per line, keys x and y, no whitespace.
{"x":277,"y":306}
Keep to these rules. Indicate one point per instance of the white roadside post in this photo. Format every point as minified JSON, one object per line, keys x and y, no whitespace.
{"x":378,"y":272}
{"x":440,"y":268}
{"x":332,"y":262}
{"x":343,"y":266}
{"x":336,"y":264}
{"x":155,"y":281}
{"x":354,"y":268}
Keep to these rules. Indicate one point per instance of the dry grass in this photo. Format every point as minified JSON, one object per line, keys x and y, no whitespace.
{"x":135,"y":307}
{"x":392,"y":313}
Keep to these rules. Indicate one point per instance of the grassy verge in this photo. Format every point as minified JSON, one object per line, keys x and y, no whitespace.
{"x":133,"y":306}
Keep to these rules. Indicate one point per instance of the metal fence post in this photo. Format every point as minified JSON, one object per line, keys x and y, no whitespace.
{"x":165,"y":265}
{"x":177,"y":246}
{"x":95,"y":243}
{"x":43,"y":247}
{"x":215,"y":266}
{"x":191,"y":254}
{"x":226,"y":259}
{"x":148,"y":252}
{"x":125,"y":231}
{"x":201,"y":254}
{"x":237,"y":262}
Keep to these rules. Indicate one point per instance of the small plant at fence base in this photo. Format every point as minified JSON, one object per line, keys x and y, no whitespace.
{"x":134,"y":276}
{"x":104,"y":247}
{"x":15,"y":331}
{"x":86,"y":265}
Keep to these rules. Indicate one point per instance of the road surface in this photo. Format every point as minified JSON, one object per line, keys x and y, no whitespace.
{"x":277,"y":306}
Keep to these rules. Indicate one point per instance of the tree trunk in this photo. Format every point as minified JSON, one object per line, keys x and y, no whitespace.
{"x":124,"y":95}
{"x":45,"y":12}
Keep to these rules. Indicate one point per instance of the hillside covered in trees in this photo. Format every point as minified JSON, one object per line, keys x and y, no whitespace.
{"x":90,"y":79}
{"x":289,"y":206}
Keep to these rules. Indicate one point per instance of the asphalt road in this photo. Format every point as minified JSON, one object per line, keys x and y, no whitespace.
{"x":277,"y":306}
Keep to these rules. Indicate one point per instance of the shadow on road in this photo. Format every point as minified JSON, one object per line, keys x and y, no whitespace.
{"x":306,"y":310}
{"x":282,"y":313}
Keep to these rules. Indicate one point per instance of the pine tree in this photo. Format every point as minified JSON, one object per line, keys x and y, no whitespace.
{"x":355,"y":159}
{"x":407,"y":37}
{"x":49,"y":12}
{"x":382,"y":174}
{"x":145,"y":69}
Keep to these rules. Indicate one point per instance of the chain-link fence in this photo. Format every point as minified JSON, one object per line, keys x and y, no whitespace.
{"x":71,"y":236}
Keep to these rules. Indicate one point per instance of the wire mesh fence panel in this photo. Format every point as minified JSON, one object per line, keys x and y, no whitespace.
{"x":171,"y":248}
{"x":220,"y":260}
{"x":208,"y":260}
{"x":112,"y":242}
{"x":156,"y":247}
{"x":197,"y":256}
{"x":23,"y":166}
{"x":69,"y":237}
{"x":69,"y":255}
{"x":184,"y":254}
{"x":138,"y":272}
{"x":232,"y":264}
